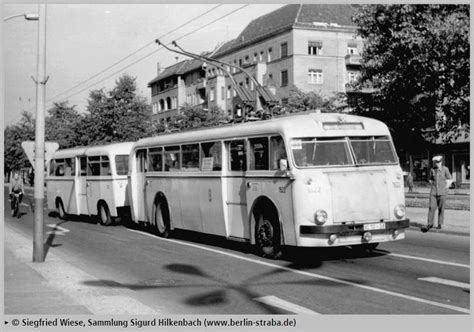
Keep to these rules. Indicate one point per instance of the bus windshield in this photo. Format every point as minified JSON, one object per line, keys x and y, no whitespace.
{"x":373,"y":150}
{"x":309,"y":152}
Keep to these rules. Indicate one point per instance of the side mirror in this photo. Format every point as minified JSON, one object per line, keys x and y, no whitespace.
{"x":283,"y":165}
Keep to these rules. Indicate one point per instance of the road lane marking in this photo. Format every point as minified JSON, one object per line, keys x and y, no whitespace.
{"x":446,"y":282}
{"x":285,"y":305}
{"x":310,"y":274}
{"x":424,"y":259}
{"x":57,"y":230}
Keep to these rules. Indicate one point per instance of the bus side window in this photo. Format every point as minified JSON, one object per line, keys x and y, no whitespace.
{"x":68,"y":167}
{"x":237,"y":158}
{"x":105,"y":166}
{"x":211,"y":150}
{"x":277,"y":152}
{"x":141,"y":161}
{"x":59,"y":167}
{"x":52,"y":166}
{"x":172,"y":158}
{"x":258,"y":154}
{"x":93,"y":166}
{"x":156,"y":160}
{"x":83,"y":166}
{"x":190,"y":156}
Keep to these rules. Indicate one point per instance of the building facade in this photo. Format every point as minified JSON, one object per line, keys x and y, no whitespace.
{"x":310,"y":47}
{"x":180,"y":84}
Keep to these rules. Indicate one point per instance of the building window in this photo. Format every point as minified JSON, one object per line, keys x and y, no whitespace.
{"x":240,"y":62}
{"x":315,"y":76}
{"x":352,"y":49}
{"x":284,"y":50}
{"x":255,"y":57}
{"x":168,"y":103}
{"x":315,"y":48}
{"x":155,"y":108}
{"x":284,"y":77}
{"x":229,"y":92}
{"x":234,"y":69}
{"x":212,"y":94}
{"x":352,"y":76}
{"x":247,"y":60}
{"x":247,"y":83}
{"x":162,"y":105}
{"x":261,"y":56}
{"x":222,"y":92}
{"x":269,"y":54}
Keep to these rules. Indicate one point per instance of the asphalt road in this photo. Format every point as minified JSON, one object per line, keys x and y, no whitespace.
{"x":197,"y":274}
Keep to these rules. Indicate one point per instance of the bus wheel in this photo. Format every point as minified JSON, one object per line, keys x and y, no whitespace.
{"x":267,"y":238}
{"x":60,"y":207}
{"x":161,"y":218}
{"x":104,"y":214}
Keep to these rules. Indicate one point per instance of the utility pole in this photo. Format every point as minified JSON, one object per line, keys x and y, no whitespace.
{"x":41,"y":79}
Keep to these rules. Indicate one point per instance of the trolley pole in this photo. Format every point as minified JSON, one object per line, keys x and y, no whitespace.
{"x":38,"y":237}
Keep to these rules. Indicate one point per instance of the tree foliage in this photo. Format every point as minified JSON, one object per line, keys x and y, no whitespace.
{"x":61,"y":124}
{"x":195,"y":117}
{"x":24,"y":130}
{"x":119,"y":115}
{"x":416,"y":57}
{"x":300,"y":101}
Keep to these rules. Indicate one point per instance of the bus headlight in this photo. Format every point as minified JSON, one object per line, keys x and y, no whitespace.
{"x":320,"y":217}
{"x":399,"y":211}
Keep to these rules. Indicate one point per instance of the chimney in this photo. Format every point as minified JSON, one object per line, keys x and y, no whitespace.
{"x":158,"y":68}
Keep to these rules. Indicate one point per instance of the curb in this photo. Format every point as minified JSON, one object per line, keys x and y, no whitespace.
{"x":417,"y":226}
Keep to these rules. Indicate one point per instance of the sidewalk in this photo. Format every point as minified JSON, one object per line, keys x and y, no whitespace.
{"x":455,"y":221}
{"x":56,"y":286}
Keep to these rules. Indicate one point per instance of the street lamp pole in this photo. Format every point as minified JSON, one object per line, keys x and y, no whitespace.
{"x":38,"y":228}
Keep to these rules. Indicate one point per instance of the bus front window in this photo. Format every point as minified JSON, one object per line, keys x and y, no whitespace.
{"x":370,"y":150}
{"x":309,"y":152}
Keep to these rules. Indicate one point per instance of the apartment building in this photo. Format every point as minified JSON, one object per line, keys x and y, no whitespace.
{"x":179,"y":84}
{"x":311,"y":47}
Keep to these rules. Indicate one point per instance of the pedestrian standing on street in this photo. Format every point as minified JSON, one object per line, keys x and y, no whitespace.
{"x":16,"y":187}
{"x":410,"y":183}
{"x":439,"y":175}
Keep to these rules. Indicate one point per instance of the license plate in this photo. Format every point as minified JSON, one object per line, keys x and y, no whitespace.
{"x":373,"y":227}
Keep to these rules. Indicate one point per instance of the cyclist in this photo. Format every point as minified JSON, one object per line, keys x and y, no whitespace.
{"x":16,"y":187}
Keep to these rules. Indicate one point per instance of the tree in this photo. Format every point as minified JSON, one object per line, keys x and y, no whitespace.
{"x":195,"y":117}
{"x":300,"y":101}
{"x":117,"y":116}
{"x":61,"y":125}
{"x":24,"y":130}
{"x":416,"y":58}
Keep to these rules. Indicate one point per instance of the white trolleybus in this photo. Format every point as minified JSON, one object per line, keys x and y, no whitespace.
{"x":90,"y":181}
{"x":309,"y":180}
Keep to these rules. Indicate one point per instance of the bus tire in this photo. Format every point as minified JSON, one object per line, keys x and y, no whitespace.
{"x":268,"y":236}
{"x":103,"y":214}
{"x":161,"y":218}
{"x":60,"y":207}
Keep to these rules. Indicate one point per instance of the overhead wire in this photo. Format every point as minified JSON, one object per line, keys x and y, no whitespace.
{"x":135,"y":52}
{"x":158,"y":50}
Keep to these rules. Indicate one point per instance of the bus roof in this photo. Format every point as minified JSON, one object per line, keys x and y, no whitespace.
{"x":295,"y":125}
{"x":113,"y":148}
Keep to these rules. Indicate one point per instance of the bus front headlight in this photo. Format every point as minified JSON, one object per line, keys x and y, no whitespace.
{"x":399,"y":211}
{"x":320,"y":217}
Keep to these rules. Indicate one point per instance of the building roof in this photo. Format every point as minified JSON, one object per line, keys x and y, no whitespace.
{"x":287,"y":17}
{"x":179,"y":68}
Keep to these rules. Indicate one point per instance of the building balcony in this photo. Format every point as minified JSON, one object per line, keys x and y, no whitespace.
{"x":201,"y":83}
{"x":353,"y":60}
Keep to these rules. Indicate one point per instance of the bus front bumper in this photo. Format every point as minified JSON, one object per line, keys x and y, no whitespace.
{"x":354,"y":229}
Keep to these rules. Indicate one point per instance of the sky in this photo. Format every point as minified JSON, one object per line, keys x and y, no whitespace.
{"x":82,"y":40}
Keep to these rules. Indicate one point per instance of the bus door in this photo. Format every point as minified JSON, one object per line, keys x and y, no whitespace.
{"x":236,"y":203}
{"x":81,"y":185}
{"x":141,"y":183}
{"x":264,"y":177}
